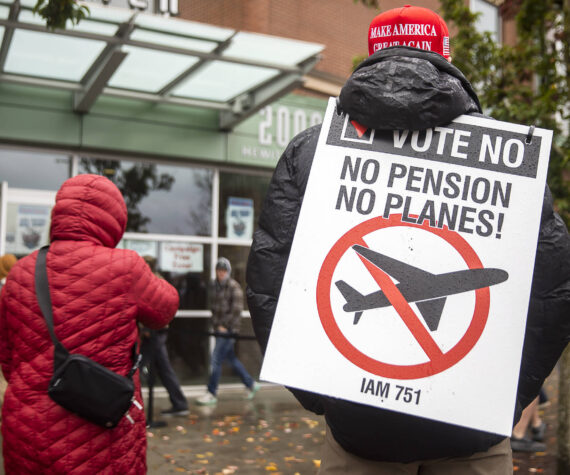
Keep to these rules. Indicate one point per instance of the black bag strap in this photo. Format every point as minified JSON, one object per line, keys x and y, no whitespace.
{"x":42,"y":291}
{"x":44,"y":299}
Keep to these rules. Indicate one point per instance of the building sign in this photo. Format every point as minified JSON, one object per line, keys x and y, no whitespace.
{"x":261,"y":139}
{"x":163,"y":7}
{"x":409,"y":277}
{"x":239,"y":218}
{"x":181,"y":257}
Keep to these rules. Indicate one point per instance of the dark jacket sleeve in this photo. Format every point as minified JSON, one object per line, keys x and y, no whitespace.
{"x":548,"y":321}
{"x":272,"y":241}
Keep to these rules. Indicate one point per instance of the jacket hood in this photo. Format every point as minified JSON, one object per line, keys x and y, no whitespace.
{"x":406,"y":88}
{"x":89,"y":208}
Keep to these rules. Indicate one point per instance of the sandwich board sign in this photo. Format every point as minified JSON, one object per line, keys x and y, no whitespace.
{"x":409,"y":277}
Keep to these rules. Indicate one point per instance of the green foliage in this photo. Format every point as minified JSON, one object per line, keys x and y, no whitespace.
{"x":135,"y":184}
{"x":57,"y":12}
{"x":527,"y":83}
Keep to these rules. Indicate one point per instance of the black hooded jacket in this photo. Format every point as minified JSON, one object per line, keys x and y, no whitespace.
{"x":405,"y":88}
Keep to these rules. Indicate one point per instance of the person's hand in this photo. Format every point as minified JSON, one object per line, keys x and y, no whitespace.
{"x":222,"y":329}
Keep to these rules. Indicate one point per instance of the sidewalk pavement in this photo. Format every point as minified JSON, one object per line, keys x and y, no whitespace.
{"x":269,"y":434}
{"x":272,"y":434}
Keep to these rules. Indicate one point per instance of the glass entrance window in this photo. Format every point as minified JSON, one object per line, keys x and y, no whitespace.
{"x":34,"y":170}
{"x":189,"y":350}
{"x":161,"y":199}
{"x":185,"y":265}
{"x":241,"y":198}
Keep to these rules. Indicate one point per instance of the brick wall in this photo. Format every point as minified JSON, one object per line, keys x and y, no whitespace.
{"x":340,"y":25}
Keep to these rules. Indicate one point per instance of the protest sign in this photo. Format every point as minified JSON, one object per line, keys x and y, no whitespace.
{"x":409,"y":277}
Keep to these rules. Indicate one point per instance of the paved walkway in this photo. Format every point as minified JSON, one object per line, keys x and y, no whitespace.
{"x":271,"y":434}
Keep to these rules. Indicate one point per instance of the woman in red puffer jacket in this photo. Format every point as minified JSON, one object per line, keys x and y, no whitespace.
{"x":98,"y":295}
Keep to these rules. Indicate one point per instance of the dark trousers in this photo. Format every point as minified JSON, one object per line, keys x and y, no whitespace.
{"x":495,"y":461}
{"x":155,"y":357}
{"x":224,"y":351}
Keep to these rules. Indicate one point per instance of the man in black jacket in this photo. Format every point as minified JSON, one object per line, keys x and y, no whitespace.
{"x":407,"y":82}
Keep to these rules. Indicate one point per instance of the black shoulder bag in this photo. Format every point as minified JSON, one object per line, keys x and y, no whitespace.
{"x":79,"y":384}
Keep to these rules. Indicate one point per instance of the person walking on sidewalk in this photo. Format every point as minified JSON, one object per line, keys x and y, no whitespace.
{"x":226,"y":319}
{"x":155,"y":359}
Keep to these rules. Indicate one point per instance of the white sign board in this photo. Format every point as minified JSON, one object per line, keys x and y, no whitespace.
{"x":32,"y":230}
{"x":239,"y":218}
{"x":409,"y":277}
{"x":142,"y":248}
{"x":181,"y":257}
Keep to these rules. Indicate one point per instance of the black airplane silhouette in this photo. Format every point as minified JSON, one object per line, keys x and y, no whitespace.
{"x":428,"y":291}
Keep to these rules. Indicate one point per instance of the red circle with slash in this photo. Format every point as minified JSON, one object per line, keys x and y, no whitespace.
{"x":438,"y":361}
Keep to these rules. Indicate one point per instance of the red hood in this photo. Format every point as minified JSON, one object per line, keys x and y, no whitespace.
{"x":89,"y":208}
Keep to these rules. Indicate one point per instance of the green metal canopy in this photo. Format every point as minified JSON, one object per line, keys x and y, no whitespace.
{"x":140,"y":56}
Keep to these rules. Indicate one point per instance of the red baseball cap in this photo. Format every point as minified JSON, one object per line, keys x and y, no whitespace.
{"x":417,"y":27}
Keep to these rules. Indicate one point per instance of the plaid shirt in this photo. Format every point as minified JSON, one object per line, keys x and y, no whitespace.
{"x":227,"y":305}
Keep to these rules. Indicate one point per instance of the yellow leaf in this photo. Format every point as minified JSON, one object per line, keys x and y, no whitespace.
{"x":317,"y":463}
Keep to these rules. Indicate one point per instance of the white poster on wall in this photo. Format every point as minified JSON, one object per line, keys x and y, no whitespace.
{"x":239,"y":218}
{"x":142,"y":248}
{"x":181,"y":257}
{"x":32,"y":230}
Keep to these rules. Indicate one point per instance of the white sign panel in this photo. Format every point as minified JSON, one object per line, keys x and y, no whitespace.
{"x":239,"y":218}
{"x":142,"y":248}
{"x":181,"y":257}
{"x":409,"y":277}
{"x":32,"y":230}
